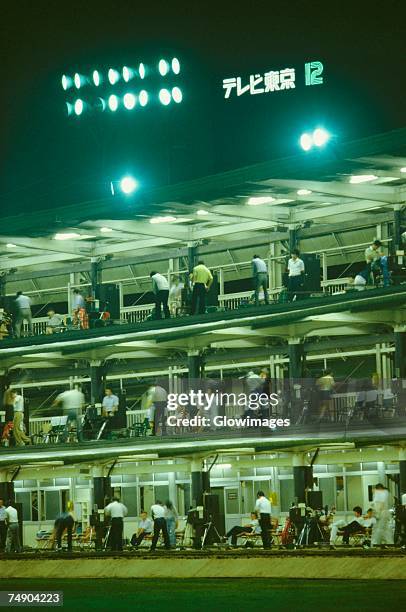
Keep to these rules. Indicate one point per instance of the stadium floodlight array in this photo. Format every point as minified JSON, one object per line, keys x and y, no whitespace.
{"x":124,"y":88}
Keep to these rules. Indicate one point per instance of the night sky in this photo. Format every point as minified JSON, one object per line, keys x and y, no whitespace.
{"x":49,"y":159}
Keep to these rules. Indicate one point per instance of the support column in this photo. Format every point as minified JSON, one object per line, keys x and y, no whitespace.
{"x":6,"y":487}
{"x":95,"y":280}
{"x":302,"y":477}
{"x":200,"y":482}
{"x":195,"y":364}
{"x":192,"y":256}
{"x":293,"y":242}
{"x":96,"y":382}
{"x":3,"y":280}
{"x":400,"y":351}
{"x":296,"y":358}
{"x":402,"y":473}
{"x":396,"y":244}
{"x":101,"y":487}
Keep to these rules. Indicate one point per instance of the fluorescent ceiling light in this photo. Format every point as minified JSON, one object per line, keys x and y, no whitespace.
{"x":202,"y":212}
{"x":166,"y":219}
{"x":105,"y":230}
{"x":403,"y":169}
{"x":362,"y":178}
{"x":303,"y":192}
{"x":71,"y":236}
{"x":66,"y":235}
{"x":257,"y":201}
{"x":10,"y":245}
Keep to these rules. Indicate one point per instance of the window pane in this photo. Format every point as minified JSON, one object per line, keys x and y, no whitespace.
{"x":25,"y":499}
{"x":326,"y":486}
{"x":129,"y":499}
{"x":52,"y":505}
{"x":247,"y":494}
{"x":287,"y":494}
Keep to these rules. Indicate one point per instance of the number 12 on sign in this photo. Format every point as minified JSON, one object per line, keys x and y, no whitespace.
{"x":313,"y":72}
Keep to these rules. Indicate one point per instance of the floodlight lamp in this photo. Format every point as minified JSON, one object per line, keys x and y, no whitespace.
{"x":163,"y":67}
{"x":96,"y":78}
{"x":177,"y":95}
{"x":128,"y":185}
{"x":113,"y":76}
{"x":66,"y":82}
{"x":78,"y":107}
{"x":113,"y":103}
{"x":320,"y":137}
{"x":164,"y":97}
{"x":175,"y":64}
{"x":129,"y":101}
{"x":143,"y":97}
{"x":306,"y":141}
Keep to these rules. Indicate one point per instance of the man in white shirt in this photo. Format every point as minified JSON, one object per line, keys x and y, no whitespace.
{"x":381,"y":531}
{"x":158,"y":515}
{"x":80,"y":317}
{"x":252,"y":527}
{"x":175,"y":296}
{"x":3,"y":525}
{"x":13,"y":543}
{"x":260,"y":274}
{"x":72,"y":402}
{"x":375,"y":256}
{"x":145,"y":527}
{"x":117,"y":511}
{"x":296,"y":272}
{"x":23,"y":313}
{"x":160,"y":288}
{"x":264,"y":509}
{"x":110,"y":403}
{"x":348,"y":528}
{"x":159,"y":399}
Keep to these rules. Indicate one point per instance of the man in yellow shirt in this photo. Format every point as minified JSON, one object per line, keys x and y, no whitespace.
{"x":202,"y":279}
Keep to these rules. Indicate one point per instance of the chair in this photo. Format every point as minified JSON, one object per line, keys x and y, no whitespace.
{"x":59,"y":429}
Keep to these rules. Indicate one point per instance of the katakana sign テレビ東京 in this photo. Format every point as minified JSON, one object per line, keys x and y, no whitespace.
{"x":273,"y":80}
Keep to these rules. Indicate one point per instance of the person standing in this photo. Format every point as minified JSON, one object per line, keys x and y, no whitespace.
{"x":110,"y":403}
{"x":117,"y":511}
{"x":8,"y":405}
{"x":296,"y":270}
{"x":80,"y":318}
{"x":20,"y":437}
{"x":159,"y":398}
{"x":202,"y":280}
{"x":264,"y":509}
{"x":375,"y":256}
{"x":381,"y":530}
{"x":3,"y":525}
{"x":175,"y":296}
{"x":64,"y":521}
{"x":158,"y":516}
{"x":13,"y":543}
{"x":72,"y":402}
{"x":171,"y":517}
{"x":260,"y":275}
{"x":23,"y":313}
{"x":325,"y":385}
{"x":160,"y":288}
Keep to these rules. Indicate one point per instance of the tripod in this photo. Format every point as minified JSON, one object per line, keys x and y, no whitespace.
{"x":106,"y":539}
{"x":310,"y":529}
{"x":207,"y":528}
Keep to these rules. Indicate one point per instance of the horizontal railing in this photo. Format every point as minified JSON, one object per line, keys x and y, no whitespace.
{"x":230,"y":301}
